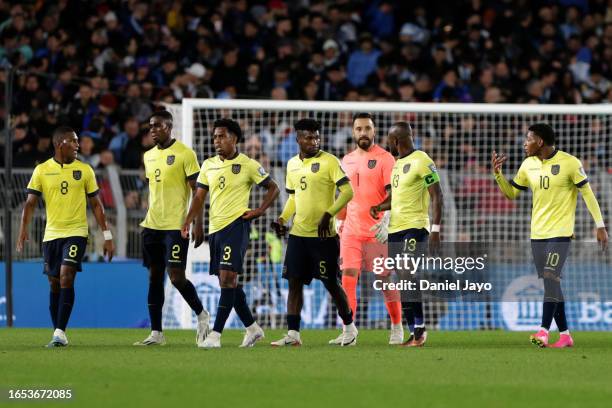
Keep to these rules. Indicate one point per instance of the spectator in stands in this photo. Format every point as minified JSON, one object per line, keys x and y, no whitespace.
{"x":362,"y":62}
{"x":86,"y":150}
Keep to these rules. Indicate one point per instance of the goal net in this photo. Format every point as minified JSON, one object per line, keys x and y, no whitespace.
{"x":460,"y":139}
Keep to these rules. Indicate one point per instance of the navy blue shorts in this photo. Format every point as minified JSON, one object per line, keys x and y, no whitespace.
{"x":228,"y":247}
{"x":411,"y":241}
{"x":164,"y":248}
{"x":549,"y":255}
{"x":63,"y":251}
{"x":312,"y":257}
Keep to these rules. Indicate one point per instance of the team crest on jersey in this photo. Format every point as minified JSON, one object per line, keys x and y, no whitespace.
{"x":315,"y":167}
{"x":406,"y":168}
{"x":262,"y":171}
{"x":371,"y":164}
{"x":236,"y":168}
{"x":433,"y":169}
{"x":555,"y":169}
{"x":170,"y":160}
{"x":76,"y":174}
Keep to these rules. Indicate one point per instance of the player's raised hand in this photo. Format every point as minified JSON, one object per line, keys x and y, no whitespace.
{"x":324,"y":225}
{"x":497,"y":160}
{"x":109,"y":249}
{"x":602,"y":238}
{"x":197,"y":235}
{"x":23,"y":237}
{"x":279,"y":228}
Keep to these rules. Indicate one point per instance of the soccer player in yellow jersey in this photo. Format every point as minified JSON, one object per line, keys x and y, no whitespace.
{"x":171,"y":169}
{"x":312,"y":250}
{"x":414,"y":179}
{"x":554,"y":177}
{"x":66,"y":184}
{"x":230,"y":176}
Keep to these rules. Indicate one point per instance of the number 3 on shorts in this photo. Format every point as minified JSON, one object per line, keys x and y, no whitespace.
{"x":227,"y":253}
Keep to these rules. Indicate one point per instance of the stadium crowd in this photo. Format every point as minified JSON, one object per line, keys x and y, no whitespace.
{"x":102,"y":66}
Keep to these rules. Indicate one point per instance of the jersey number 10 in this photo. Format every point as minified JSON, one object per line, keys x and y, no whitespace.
{"x":544,"y":182}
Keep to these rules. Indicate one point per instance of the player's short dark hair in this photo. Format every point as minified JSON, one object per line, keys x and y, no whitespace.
{"x":163,"y":114}
{"x":404,"y":128}
{"x":60,"y":133}
{"x":231,"y":125}
{"x":363,"y":115}
{"x":545,"y":132}
{"x":307,"y":124}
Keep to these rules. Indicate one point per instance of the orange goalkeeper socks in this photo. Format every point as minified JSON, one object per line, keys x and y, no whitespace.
{"x":349,"y":284}
{"x":395,"y":311}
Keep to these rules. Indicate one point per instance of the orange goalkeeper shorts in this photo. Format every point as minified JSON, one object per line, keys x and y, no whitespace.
{"x":361,"y":253}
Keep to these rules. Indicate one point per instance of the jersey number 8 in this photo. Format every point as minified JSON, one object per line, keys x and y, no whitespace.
{"x":64,"y":187}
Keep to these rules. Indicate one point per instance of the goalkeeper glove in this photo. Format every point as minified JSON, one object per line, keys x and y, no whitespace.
{"x":382,"y":228}
{"x":338,"y":226}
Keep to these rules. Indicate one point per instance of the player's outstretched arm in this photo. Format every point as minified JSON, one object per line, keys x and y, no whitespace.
{"x":508,"y":189}
{"x":268,"y":199}
{"x":437,"y":202}
{"x":195,"y":209}
{"x":98,"y":211}
{"x":197,"y":234}
{"x":26,"y":216}
{"x":591,"y":202}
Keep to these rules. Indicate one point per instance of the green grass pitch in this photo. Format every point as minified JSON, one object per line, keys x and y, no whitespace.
{"x":454,"y":369}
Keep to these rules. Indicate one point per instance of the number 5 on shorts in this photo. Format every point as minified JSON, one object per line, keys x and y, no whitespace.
{"x":322,"y":268}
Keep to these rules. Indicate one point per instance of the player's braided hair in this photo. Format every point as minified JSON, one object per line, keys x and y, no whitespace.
{"x":231,"y":125}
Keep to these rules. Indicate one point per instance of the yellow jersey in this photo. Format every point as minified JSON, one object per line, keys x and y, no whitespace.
{"x":313,"y":181}
{"x":554,"y":183}
{"x":410,"y":179}
{"x":65,"y":188}
{"x":168,"y":172}
{"x":230,"y":182}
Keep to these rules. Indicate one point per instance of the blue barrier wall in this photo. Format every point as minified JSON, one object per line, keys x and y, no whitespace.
{"x":107,"y":295}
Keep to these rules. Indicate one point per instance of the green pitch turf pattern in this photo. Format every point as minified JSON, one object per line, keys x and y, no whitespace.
{"x":454,"y":369}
